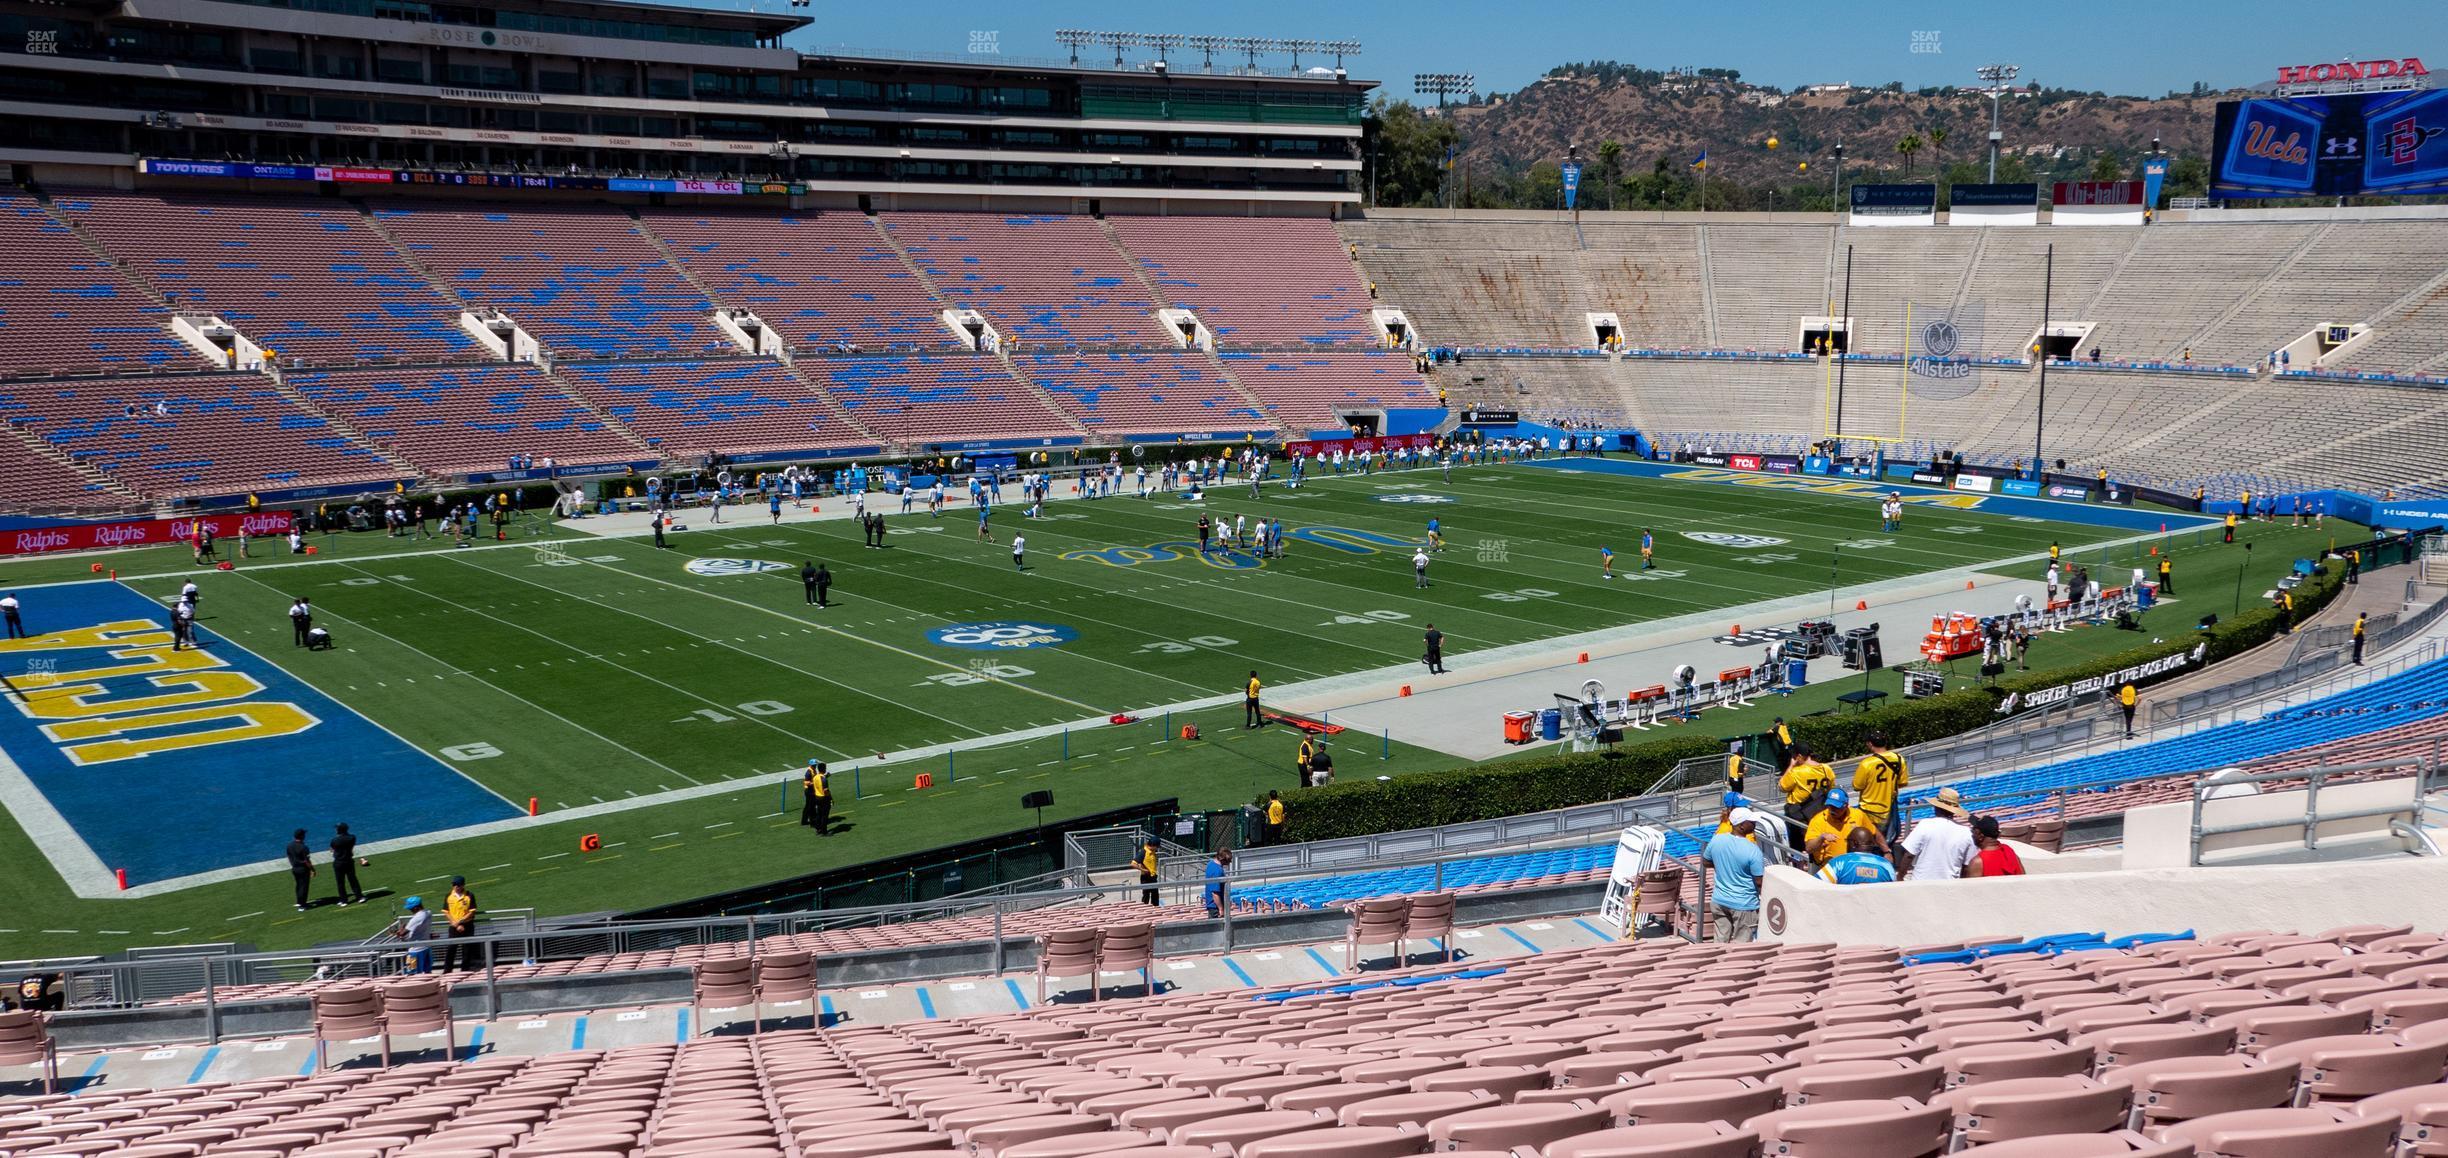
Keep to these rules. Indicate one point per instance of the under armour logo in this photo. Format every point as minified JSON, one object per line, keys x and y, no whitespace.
{"x":2343,"y":147}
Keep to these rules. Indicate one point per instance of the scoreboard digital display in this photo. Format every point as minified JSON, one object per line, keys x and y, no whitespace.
{"x":2341,"y":145}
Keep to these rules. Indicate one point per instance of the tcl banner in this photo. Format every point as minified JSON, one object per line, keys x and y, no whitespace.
{"x":1743,"y":461}
{"x":139,"y":533}
{"x":1358,"y":445}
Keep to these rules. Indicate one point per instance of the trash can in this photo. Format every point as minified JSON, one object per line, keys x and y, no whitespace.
{"x":1551,"y":724}
{"x":1518,"y":726}
{"x":1797,"y":673}
{"x":2146,"y":596}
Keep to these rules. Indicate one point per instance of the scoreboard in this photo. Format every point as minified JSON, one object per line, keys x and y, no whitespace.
{"x":2341,"y":145}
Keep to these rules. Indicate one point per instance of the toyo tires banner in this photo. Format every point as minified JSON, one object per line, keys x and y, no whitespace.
{"x":136,"y":532}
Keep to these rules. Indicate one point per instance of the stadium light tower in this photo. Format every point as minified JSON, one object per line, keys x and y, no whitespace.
{"x":1164,"y":43}
{"x":1251,"y":46}
{"x":1297,"y":46}
{"x":1074,"y":39}
{"x":1119,"y":41}
{"x":1443,"y":84}
{"x":1998,"y":76}
{"x":1207,"y":46}
{"x":1341,"y":49}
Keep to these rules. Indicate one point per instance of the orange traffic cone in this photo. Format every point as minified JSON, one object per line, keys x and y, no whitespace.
{"x":1861,"y":605}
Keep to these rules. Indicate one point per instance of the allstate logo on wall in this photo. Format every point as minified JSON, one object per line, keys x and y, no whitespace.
{"x":1001,"y":635}
{"x":732,"y":566}
{"x":1737,"y":542}
{"x":1415,"y":498}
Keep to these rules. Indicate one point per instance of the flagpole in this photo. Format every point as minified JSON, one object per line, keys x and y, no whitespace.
{"x":1704,"y":176}
{"x":1904,"y":406}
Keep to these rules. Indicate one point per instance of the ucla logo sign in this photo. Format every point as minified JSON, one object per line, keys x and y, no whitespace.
{"x":1001,"y":636}
{"x":1416,"y":499}
{"x":1735,"y":542}
{"x":724,"y":567}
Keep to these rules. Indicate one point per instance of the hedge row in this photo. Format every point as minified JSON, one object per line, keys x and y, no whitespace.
{"x":1534,"y":783}
{"x":1546,"y":781}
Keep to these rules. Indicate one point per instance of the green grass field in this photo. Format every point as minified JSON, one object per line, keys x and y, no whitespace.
{"x":585,"y":672}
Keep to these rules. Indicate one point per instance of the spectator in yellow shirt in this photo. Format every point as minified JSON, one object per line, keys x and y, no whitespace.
{"x":1829,"y":831}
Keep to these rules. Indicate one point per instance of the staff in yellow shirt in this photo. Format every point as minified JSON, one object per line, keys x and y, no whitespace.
{"x":1249,"y":704}
{"x":459,"y":910}
{"x":1274,"y":818}
{"x":2125,"y":700}
{"x":1146,"y":864}
{"x":1806,"y":786}
{"x":1876,"y":781}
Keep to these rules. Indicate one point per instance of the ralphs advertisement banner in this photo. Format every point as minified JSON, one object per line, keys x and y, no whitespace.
{"x":137,"y":533}
{"x":1358,"y":445}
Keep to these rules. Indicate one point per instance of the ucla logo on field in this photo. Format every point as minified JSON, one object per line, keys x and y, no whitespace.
{"x":1343,"y":539}
{"x":733,"y":566}
{"x":1737,"y":542}
{"x":1417,"y":499}
{"x":1001,"y":635}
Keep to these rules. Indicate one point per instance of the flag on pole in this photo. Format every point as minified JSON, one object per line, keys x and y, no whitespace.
{"x":1701,"y":161}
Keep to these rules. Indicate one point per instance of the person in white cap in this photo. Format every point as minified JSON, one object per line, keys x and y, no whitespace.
{"x":1734,"y":894}
{"x":1939,"y":847}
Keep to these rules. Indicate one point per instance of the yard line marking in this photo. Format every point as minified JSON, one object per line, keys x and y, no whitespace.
{"x":663,"y":836}
{"x":491,"y":867}
{"x":551,"y":855}
{"x":244,"y":916}
{"x":388,"y":845}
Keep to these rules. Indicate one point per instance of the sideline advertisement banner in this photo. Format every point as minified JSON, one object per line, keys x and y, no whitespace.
{"x":1314,"y":448}
{"x":137,"y":532}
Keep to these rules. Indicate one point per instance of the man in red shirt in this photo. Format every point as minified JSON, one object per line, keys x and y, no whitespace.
{"x":1996,"y":858}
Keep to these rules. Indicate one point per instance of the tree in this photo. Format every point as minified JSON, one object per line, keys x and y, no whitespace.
{"x":1408,"y":149}
{"x":1610,"y":167}
{"x":2104,"y":167}
{"x":2188,"y":177}
{"x":1909,"y":145}
{"x":1937,"y":140}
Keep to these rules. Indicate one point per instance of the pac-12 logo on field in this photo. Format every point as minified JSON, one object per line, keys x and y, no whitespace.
{"x":733,"y":566}
{"x":1737,"y":542}
{"x":1415,"y":498}
{"x":1001,"y":635}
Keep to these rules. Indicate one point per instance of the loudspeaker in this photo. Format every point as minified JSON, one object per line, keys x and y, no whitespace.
{"x":1991,"y":670}
{"x":1042,"y":798}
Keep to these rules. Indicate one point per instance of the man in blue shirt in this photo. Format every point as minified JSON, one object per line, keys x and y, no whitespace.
{"x":1734,"y":897}
{"x":1217,"y":865}
{"x":1861,"y":864}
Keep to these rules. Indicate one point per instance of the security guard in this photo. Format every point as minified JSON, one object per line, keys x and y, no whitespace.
{"x":1274,"y":817}
{"x":2167,"y":577}
{"x":1249,"y":704}
{"x":2358,"y":639}
{"x":2125,"y":701}
{"x":816,"y":809}
{"x":1308,"y":753}
{"x":1146,"y":864}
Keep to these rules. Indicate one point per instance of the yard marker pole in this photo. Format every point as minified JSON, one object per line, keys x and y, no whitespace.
{"x":1066,"y":743}
{"x":784,"y":803}
{"x":951,"y":766}
{"x":856,"y":792}
{"x":1385,"y":744}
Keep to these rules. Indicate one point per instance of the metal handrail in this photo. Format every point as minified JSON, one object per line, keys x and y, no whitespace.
{"x":2309,"y":823}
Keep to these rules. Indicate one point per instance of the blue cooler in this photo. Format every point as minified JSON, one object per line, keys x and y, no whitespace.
{"x":1551,"y":724}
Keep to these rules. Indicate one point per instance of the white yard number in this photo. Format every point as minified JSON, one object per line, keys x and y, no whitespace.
{"x":1865,"y":544}
{"x":752,"y":707}
{"x":1768,"y":560}
{"x":1366,"y":617}
{"x":462,"y":753}
{"x":360,"y":581}
{"x":1523,"y":595}
{"x":975,"y":676}
{"x":1184,"y":647}
{"x":1959,"y":529}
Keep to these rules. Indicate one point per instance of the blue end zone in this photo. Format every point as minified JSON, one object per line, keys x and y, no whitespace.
{"x":2120,"y":518}
{"x":172,"y":763}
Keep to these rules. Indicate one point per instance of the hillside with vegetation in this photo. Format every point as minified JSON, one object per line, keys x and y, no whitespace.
{"x":1638,"y":131}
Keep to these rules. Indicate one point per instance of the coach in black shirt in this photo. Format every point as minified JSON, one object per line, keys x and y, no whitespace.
{"x":807,"y":580}
{"x":301,"y":865}
{"x":344,"y":865}
{"x":1436,"y":651}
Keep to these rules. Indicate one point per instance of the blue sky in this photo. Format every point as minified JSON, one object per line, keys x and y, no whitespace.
{"x":2120,"y":46}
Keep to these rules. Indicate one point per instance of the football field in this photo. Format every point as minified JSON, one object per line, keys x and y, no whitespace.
{"x":658,"y":696}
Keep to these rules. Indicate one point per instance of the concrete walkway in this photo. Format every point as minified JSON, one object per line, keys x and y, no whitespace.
{"x":119,"y":1071}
